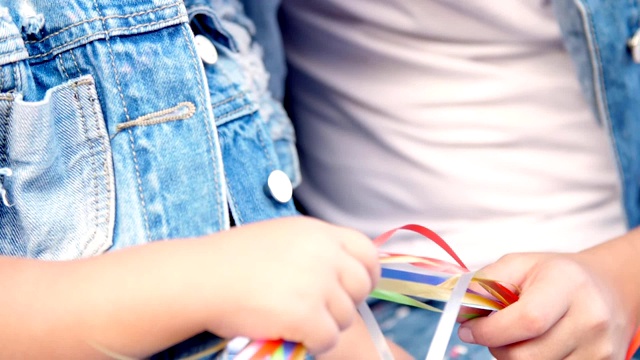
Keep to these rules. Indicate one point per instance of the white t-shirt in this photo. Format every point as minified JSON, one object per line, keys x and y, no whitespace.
{"x":464,"y":116}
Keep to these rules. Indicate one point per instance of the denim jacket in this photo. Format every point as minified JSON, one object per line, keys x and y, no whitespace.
{"x":114,"y":132}
{"x":599,"y":34}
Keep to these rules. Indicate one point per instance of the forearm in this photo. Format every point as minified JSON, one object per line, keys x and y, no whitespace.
{"x":617,"y":261}
{"x":132,"y":302}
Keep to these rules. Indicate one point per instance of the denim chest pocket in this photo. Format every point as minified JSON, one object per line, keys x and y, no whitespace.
{"x":56,"y":174}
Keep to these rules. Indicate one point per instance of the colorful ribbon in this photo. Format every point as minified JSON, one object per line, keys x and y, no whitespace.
{"x":411,"y":280}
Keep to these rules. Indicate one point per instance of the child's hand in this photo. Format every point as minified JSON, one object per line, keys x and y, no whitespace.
{"x":297,"y":279}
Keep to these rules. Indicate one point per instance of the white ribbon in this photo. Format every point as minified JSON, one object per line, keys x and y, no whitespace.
{"x":440,"y":341}
{"x":375,"y":332}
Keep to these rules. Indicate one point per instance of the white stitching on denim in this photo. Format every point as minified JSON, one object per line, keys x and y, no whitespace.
{"x":237,"y":215}
{"x":229,"y":114}
{"x":96,"y":191}
{"x":94,"y":153}
{"x":75,"y":62}
{"x":3,"y":137}
{"x":101,"y":19}
{"x":106,"y":33}
{"x":62,"y":67}
{"x":96,"y":118}
{"x":182,"y":111}
{"x":139,"y":180}
{"x":131,"y":140}
{"x":206,"y":123}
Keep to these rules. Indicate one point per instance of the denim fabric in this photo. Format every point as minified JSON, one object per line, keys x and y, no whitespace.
{"x":114,"y":133}
{"x":596,"y":34}
{"x":137,"y":140}
{"x":264,"y":14}
{"x":413,"y":329}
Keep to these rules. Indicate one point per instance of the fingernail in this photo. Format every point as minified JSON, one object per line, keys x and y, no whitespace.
{"x":466,"y":335}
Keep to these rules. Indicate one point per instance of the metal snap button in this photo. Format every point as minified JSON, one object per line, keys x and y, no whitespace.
{"x":280,"y":187}
{"x":634,"y":47}
{"x":206,"y":50}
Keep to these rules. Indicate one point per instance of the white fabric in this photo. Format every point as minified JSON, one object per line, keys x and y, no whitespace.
{"x":464,"y":116}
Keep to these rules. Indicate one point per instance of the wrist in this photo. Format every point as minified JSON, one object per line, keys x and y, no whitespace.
{"x":615,"y":264}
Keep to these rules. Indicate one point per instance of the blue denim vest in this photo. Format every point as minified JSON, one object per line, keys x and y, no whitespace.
{"x":114,"y":133}
{"x":596,"y":34}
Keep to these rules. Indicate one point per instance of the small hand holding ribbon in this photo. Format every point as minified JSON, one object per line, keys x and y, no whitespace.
{"x":412,"y":280}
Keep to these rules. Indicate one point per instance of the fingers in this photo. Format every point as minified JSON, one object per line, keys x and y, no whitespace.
{"x":542,"y":304}
{"x":562,"y":314}
{"x":354,"y":279}
{"x":342,"y":308}
{"x":362,"y":249}
{"x":323,"y":335}
{"x":354,"y":285}
{"x":556,"y":344}
{"x":581,"y":334}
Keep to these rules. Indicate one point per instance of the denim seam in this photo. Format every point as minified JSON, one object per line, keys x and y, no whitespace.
{"x":100,"y":219}
{"x":226,"y":115}
{"x":236,"y":213}
{"x":94,"y":201}
{"x":595,"y":63}
{"x":602,"y":104}
{"x":126,"y":113}
{"x":3,"y":140}
{"x":207,"y":124}
{"x":229,"y":114}
{"x":228,"y":100}
{"x":102,"y":19}
{"x":139,"y":180}
{"x":4,"y":159}
{"x":1,"y":78}
{"x":75,"y":62}
{"x":62,"y":68}
{"x":105,"y":166}
{"x":105,"y":33}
